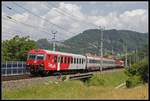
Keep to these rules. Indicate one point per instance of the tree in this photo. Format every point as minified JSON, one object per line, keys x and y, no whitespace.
{"x":16,"y":48}
{"x":138,"y":73}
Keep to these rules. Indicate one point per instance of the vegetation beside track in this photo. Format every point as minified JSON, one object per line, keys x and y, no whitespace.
{"x":76,"y":89}
{"x":111,"y":79}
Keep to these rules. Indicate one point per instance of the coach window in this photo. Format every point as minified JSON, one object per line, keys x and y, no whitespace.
{"x":74,"y":60}
{"x":55,"y":59}
{"x":68,"y":60}
{"x":77,"y":60}
{"x":71,"y":60}
{"x":80,"y":60}
{"x":65,"y":60}
{"x":61,"y":59}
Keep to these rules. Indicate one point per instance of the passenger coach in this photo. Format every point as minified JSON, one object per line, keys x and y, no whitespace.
{"x":45,"y":61}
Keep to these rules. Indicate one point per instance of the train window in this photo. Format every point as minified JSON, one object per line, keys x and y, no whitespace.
{"x":65,"y":60}
{"x":68,"y":60}
{"x":31,"y":56}
{"x":62,"y":59}
{"x":74,"y":60}
{"x":55,"y":59}
{"x":71,"y":60}
{"x":82,"y":61}
{"x":59,"y":59}
{"x":77,"y":60}
{"x":40,"y":56}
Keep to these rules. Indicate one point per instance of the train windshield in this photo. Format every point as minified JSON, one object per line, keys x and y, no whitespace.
{"x":40,"y":57}
{"x":31,"y":56}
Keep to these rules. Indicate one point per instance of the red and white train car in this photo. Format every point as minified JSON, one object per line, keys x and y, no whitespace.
{"x":46,"y":60}
{"x":98,"y":63}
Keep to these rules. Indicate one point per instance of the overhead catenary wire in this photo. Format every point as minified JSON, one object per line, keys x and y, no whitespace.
{"x":27,"y":25}
{"x":41,"y":17}
{"x":30,"y":25}
{"x":29,"y":11}
{"x":36,"y":14}
{"x":60,"y":11}
{"x":75,"y":17}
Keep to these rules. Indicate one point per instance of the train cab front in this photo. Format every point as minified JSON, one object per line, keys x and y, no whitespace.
{"x":35,"y":63}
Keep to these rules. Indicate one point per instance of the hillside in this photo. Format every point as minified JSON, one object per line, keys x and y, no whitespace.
{"x":81,"y":43}
{"x":112,"y":39}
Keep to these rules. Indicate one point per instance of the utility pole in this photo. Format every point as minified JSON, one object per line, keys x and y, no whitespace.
{"x":126,"y":54}
{"x":112,"y":50}
{"x":101,"y":30}
{"x":54,"y":46}
{"x":124,"y":50}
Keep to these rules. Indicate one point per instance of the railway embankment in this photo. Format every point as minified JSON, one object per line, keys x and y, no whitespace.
{"x":100,"y":86}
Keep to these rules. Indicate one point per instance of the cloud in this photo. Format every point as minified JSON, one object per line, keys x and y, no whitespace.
{"x":136,"y":19}
{"x":131,"y":20}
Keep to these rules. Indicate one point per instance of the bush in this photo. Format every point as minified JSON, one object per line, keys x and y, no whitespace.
{"x":95,"y":81}
{"x":138,"y":73}
{"x":133,"y":81}
{"x":143,"y":71}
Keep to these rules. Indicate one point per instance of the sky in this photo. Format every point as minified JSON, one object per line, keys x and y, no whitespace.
{"x":67,"y":19}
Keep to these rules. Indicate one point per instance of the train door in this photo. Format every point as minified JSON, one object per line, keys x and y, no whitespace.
{"x":58,"y":63}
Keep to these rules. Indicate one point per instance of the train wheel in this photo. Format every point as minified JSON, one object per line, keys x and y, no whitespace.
{"x":33,"y":73}
{"x":43,"y":73}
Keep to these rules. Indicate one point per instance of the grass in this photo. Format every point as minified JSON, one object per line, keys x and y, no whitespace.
{"x":108,"y":79}
{"x":79,"y":90}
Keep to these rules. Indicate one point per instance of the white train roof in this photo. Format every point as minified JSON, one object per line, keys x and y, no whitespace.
{"x":99,"y":58}
{"x":63,"y":53}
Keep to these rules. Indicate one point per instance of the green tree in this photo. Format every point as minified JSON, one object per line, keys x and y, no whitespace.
{"x":138,"y":73}
{"x":16,"y":48}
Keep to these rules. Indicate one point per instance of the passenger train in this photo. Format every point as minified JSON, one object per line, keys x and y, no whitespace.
{"x":46,"y":61}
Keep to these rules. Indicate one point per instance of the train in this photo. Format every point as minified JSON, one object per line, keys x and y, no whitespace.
{"x":44,"y":62}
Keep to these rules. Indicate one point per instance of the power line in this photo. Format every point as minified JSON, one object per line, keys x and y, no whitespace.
{"x":71,"y":16}
{"x":75,"y":16}
{"x":27,"y":25}
{"x":41,"y":17}
{"x":25,"y":9}
{"x":24,"y":23}
{"x":17,"y":31}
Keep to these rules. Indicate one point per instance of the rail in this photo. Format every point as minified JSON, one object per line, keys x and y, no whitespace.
{"x":80,"y":76}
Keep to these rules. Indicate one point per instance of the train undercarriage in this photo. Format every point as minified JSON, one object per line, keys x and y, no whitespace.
{"x":39,"y":71}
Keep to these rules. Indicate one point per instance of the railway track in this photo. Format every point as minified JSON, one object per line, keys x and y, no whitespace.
{"x":27,"y":80}
{"x":27,"y":76}
{"x":70,"y":76}
{"x":16,"y":77}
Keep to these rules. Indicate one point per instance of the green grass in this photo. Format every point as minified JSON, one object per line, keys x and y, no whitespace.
{"x":77,"y":90}
{"x":108,"y":79}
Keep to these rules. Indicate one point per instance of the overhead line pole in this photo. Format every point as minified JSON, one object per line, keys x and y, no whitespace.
{"x":101,"y":30}
{"x":54,"y":46}
{"x":125,"y":50}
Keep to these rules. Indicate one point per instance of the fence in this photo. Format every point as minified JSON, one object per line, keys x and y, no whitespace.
{"x":9,"y":68}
